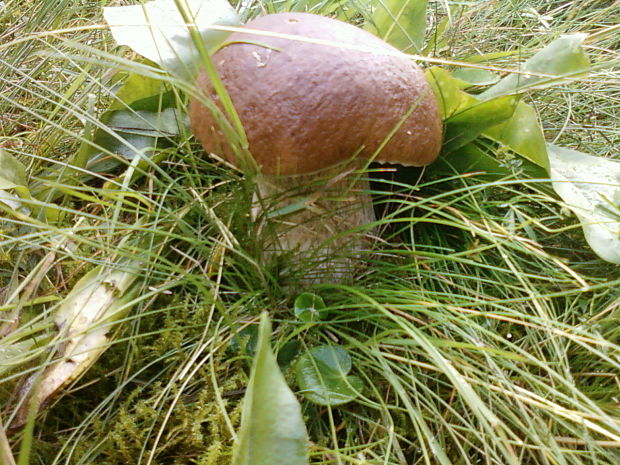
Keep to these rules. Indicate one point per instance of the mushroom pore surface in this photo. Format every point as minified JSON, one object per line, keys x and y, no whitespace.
{"x":307,"y":105}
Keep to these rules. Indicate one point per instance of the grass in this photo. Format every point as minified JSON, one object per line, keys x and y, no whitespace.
{"x":483,"y":327}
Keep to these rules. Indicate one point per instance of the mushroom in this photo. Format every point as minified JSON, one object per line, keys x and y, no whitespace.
{"x":318,"y":100}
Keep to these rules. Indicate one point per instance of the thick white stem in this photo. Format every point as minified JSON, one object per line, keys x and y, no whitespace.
{"x":315,"y":223}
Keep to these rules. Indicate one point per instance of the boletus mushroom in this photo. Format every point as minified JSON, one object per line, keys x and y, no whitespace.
{"x":317,"y":98}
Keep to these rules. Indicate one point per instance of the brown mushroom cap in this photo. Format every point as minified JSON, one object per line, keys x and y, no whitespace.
{"x":305,"y":106}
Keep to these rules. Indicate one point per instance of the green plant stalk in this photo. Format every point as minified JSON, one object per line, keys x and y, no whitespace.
{"x":80,"y":160}
{"x":247,"y":161}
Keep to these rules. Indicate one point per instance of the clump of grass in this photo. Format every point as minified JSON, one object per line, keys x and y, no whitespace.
{"x":484,"y":329}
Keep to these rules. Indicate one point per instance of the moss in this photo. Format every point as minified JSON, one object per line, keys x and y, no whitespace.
{"x":175,"y":425}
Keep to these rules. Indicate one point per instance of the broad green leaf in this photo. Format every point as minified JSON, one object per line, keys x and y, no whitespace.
{"x":475,"y":158}
{"x":523,"y":134}
{"x":448,"y":91}
{"x":475,"y":77}
{"x":149,"y":123}
{"x":133,"y":136}
{"x":287,"y":353}
{"x":84,"y":320}
{"x":322,"y":376}
{"x":156,"y":30}
{"x":470,"y":122}
{"x":244,"y":341}
{"x":12,"y":172}
{"x":469,"y":159}
{"x":504,"y":119}
{"x":401,"y":23}
{"x":135,"y":88}
{"x":309,"y":307}
{"x":13,"y":203}
{"x":142,"y":118}
{"x":131,"y":133}
{"x":272,"y":429}
{"x":562,"y":59}
{"x":13,"y":178}
{"x":590,"y":187}
{"x":14,"y":354}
